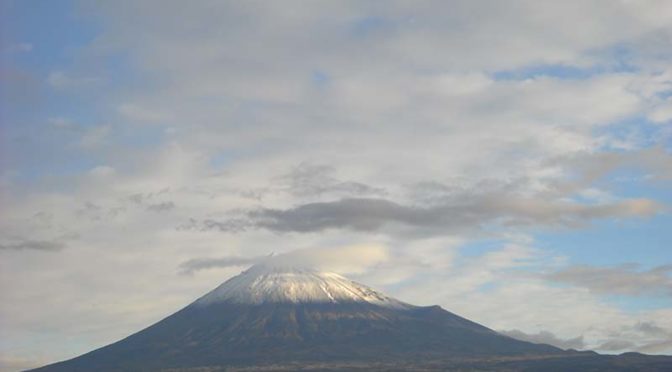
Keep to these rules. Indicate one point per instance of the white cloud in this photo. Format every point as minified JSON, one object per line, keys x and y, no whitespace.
{"x":351,"y":259}
{"x":61,"y":80}
{"x":409,"y":95}
{"x":102,"y":171}
{"x":95,"y":136}
{"x":12,"y":364}
{"x":501,"y":290}
{"x":545,"y":337}
{"x":138,"y":113}
{"x":662,"y":112}
{"x":62,"y":123}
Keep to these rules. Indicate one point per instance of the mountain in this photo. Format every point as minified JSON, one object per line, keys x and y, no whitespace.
{"x":285,"y":318}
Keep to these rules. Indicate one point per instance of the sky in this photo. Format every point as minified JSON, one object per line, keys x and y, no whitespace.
{"x":510,"y":161}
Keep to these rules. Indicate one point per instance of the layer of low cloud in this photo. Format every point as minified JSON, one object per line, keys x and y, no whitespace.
{"x":348,"y":259}
{"x":546,"y":337}
{"x":616,"y":345}
{"x":661,"y":347}
{"x":197,"y":264}
{"x":653,"y":339}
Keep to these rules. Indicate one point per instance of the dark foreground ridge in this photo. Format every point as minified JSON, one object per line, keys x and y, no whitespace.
{"x":229,"y":335}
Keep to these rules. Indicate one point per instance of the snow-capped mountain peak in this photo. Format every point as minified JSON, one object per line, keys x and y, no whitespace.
{"x":264,"y":283}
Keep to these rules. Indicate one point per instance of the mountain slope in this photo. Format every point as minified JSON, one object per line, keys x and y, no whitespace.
{"x":280,"y":315}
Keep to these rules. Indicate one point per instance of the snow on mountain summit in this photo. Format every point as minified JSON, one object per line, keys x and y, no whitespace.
{"x":263,"y":283}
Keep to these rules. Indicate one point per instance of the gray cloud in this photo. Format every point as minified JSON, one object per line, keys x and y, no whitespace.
{"x":230,"y":225}
{"x":161,"y":207}
{"x":620,"y":280}
{"x":589,"y":168}
{"x":147,"y":200}
{"x":191,"y":266}
{"x":658,"y":347}
{"x":95,"y":212}
{"x":651,"y":329}
{"x":616,"y":345}
{"x":662,"y":338}
{"x":461,"y":214}
{"x":313,"y":180}
{"x":38,"y":245}
{"x":352,"y":214}
{"x":656,"y":160}
{"x":545,"y":337}
{"x":653,"y":339}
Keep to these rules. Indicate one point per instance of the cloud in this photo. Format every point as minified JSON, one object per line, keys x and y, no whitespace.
{"x":593,"y":167}
{"x":662,"y":112}
{"x":102,"y":171}
{"x":616,"y":345}
{"x":230,"y":226}
{"x":467,"y":274}
{"x":61,"y":80}
{"x":546,"y":337}
{"x":627,"y":279}
{"x":661,"y":347}
{"x":151,"y":201}
{"x":651,"y":329}
{"x":403,"y":32}
{"x":652,"y":339}
{"x":148,"y":201}
{"x":161,"y":207}
{"x":140,"y":114}
{"x":464,"y":213}
{"x":9,"y":363}
{"x":95,"y":212}
{"x":89,"y":137}
{"x":95,"y":136}
{"x":38,"y":245}
{"x":306,"y":180}
{"x":510,"y":115}
{"x":197,"y":264}
{"x":347,"y":259}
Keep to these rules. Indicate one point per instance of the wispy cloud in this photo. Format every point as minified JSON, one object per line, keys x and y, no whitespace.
{"x":197,"y":264}
{"x":628,"y":279}
{"x":546,"y":337}
{"x":306,"y":180}
{"x":653,"y":339}
{"x":347,"y":259}
{"x":141,"y":114}
{"x":61,"y":80}
{"x":37,"y":245}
